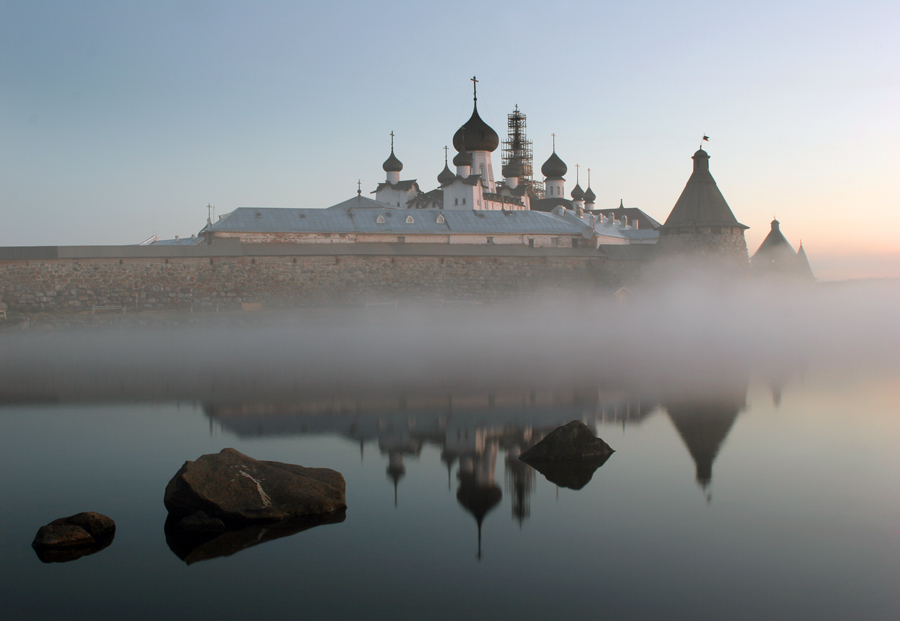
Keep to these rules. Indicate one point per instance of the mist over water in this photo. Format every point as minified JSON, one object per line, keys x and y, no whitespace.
{"x":754,"y":474}
{"x":692,"y":335}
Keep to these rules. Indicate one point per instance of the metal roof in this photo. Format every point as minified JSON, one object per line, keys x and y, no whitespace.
{"x":366,"y":219}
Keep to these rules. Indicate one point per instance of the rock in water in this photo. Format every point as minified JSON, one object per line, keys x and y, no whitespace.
{"x":236,"y":488}
{"x":571,"y":441}
{"x":70,"y":538}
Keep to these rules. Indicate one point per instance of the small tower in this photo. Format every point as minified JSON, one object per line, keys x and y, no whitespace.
{"x":589,"y":196}
{"x":446,"y":176}
{"x":578,"y":194}
{"x":480,"y":140}
{"x":701,"y":225}
{"x":776,"y":257}
{"x":392,"y":166}
{"x":553,"y":170}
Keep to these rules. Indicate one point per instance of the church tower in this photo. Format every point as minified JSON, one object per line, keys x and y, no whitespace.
{"x":701,"y":224}
{"x":554,"y":170}
{"x":479,"y":139}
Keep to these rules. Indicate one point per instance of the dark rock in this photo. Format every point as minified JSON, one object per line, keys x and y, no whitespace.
{"x":201,"y":522}
{"x":573,"y":440}
{"x":236,"y":488}
{"x":572,"y":473}
{"x":192,"y":546}
{"x":98,"y":525}
{"x":55,"y":535}
{"x":70,"y":538}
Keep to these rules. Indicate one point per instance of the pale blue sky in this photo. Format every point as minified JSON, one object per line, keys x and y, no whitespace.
{"x":123,"y":119}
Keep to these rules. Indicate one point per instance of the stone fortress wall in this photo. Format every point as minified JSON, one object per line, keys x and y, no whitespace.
{"x":227,"y":275}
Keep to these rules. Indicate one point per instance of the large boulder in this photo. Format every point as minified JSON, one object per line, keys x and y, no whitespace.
{"x":237,"y":489}
{"x":70,"y":538}
{"x":571,"y":441}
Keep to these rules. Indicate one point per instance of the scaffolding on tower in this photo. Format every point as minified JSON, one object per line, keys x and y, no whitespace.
{"x":517,"y":148}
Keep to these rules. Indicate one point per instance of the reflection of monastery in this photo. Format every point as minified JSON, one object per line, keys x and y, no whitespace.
{"x":471,"y":206}
{"x":473,"y":430}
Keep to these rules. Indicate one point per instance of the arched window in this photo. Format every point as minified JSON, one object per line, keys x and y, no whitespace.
{"x":409,"y":220}
{"x":440,"y":219}
{"x":379,"y":219}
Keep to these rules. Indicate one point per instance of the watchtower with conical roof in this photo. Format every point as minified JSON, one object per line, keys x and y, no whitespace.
{"x":776,"y":257}
{"x":701,"y":224}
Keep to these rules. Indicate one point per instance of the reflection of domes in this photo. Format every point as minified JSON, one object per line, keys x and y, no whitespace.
{"x":392,"y":164}
{"x":475,"y":135}
{"x":554,"y":167}
{"x":463,"y":158}
{"x":446,"y":176}
{"x":477,"y":499}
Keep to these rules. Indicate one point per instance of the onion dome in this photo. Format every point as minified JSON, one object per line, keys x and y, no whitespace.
{"x":554,"y":167}
{"x":475,"y":135}
{"x":392,"y":164}
{"x":589,"y":196}
{"x":513,"y":169}
{"x":463,"y":158}
{"x":446,"y":176}
{"x":577,"y":193}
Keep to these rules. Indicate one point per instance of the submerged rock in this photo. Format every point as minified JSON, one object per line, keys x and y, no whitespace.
{"x":235,"y":489}
{"x":70,"y":538}
{"x":572,"y":441}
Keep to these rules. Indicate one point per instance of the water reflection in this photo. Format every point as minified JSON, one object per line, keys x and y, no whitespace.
{"x":193,"y":546}
{"x":703,"y":424}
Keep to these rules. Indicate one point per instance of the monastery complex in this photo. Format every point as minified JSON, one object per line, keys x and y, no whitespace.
{"x":474,"y":237}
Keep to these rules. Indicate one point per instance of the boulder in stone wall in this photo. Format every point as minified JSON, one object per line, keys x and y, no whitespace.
{"x":236,"y":488}
{"x":573,"y":440}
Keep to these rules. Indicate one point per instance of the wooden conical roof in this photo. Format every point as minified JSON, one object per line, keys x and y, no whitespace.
{"x":701,"y":204}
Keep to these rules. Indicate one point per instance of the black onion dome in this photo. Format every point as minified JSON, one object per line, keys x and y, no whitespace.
{"x":475,"y":135}
{"x":392,"y":164}
{"x":554,"y":167}
{"x":577,"y":193}
{"x":463,"y":158}
{"x":513,"y":169}
{"x":589,"y":196}
{"x":446,"y":176}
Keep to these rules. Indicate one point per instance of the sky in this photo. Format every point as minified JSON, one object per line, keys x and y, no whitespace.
{"x":121,"y":120}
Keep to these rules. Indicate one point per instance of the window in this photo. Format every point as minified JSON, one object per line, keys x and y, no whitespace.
{"x":456,"y":201}
{"x":409,"y":220}
{"x":401,"y":239}
{"x":531,"y":243}
{"x":464,"y":201}
{"x":380,"y":219}
{"x":440,"y":219}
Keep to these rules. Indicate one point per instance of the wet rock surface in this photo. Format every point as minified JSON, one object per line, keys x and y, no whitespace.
{"x":237,"y":489}
{"x":70,"y":538}
{"x":572,"y":441}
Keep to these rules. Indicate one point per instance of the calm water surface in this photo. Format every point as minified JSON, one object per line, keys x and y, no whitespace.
{"x":768,"y":502}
